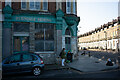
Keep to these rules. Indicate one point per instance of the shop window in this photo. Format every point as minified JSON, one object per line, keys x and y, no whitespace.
{"x":44,"y":37}
{"x":21,"y":27}
{"x":71,"y":7}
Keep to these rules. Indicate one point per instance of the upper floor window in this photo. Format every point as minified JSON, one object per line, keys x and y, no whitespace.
{"x":45,"y":5}
{"x":8,"y":2}
{"x":38,"y":5}
{"x":58,"y":4}
{"x":34,"y":5}
{"x":23,"y":4}
{"x":71,"y":7}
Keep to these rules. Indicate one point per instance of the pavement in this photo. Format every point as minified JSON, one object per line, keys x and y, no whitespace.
{"x":84,"y":63}
{"x":90,"y":64}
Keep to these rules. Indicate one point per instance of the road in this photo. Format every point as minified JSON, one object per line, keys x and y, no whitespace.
{"x":65,"y":73}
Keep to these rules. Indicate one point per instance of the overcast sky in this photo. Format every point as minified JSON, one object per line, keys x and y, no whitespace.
{"x":94,"y":13}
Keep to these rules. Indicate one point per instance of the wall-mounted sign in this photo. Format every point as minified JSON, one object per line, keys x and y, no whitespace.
{"x":33,"y":19}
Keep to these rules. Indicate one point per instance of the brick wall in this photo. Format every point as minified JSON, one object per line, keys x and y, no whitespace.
{"x":52,"y":7}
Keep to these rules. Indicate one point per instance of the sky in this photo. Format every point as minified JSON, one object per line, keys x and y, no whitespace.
{"x":94,"y":13}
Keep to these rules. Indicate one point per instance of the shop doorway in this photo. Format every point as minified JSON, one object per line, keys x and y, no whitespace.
{"x":21,"y":44}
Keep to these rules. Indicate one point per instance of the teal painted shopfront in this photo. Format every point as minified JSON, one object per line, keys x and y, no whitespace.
{"x":45,"y":34}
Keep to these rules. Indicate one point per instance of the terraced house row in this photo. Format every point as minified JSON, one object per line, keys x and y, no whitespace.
{"x":40,"y":26}
{"x":105,"y":37}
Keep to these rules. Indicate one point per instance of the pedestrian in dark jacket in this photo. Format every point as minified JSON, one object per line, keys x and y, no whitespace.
{"x":63,"y":56}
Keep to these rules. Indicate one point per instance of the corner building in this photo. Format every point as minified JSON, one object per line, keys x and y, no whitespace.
{"x":41,"y":27}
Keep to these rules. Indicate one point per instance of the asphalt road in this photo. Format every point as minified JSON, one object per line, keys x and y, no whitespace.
{"x":66,"y":74}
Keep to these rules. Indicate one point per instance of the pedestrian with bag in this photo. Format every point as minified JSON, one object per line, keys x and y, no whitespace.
{"x":63,"y":56}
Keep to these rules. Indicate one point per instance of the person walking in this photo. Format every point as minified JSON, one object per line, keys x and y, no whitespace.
{"x":63,"y":56}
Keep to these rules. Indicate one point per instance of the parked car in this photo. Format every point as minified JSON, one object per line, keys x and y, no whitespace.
{"x":23,"y":62}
